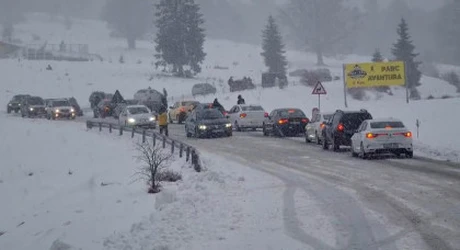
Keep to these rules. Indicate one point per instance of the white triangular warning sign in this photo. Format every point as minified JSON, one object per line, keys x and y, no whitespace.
{"x":319,"y":89}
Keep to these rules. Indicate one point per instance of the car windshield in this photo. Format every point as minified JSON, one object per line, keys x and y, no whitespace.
{"x":18,"y":98}
{"x":327,"y":117}
{"x":138,"y":110}
{"x":35,"y":101}
{"x":291,"y":113}
{"x":209,"y":114}
{"x":387,"y":124}
{"x":131,"y":102}
{"x":252,"y":108}
{"x":354,"y":120}
{"x":62,"y":103}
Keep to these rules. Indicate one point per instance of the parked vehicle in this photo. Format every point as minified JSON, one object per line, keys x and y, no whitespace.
{"x":207,"y":123}
{"x":313,"y":130}
{"x":150,"y":98}
{"x":137,"y":116}
{"x":247,"y":116}
{"x":33,"y":106}
{"x":15,"y":103}
{"x":60,"y":108}
{"x":120,"y":106}
{"x":341,"y":127}
{"x":285,"y":122}
{"x":178,"y":112}
{"x":76,"y":106}
{"x":103,"y":109}
{"x":203,"y":89}
{"x":381,"y":136}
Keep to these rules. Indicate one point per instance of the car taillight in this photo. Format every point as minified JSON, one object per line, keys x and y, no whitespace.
{"x":406,"y":134}
{"x":305,"y":120}
{"x":182,"y":109}
{"x":283,"y":121}
{"x":106,"y":108}
{"x":243,"y":115}
{"x":225,"y":113}
{"x":340,"y":127}
{"x":371,"y":135}
{"x":265,"y":114}
{"x":322,"y":125}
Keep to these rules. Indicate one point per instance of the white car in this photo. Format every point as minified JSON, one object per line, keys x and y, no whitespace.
{"x":314,"y":127}
{"x":381,"y":136}
{"x":59,"y":108}
{"x":137,"y":116}
{"x":246,"y":116}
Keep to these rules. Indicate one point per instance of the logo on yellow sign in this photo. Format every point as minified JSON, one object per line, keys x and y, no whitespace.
{"x":365,"y":75}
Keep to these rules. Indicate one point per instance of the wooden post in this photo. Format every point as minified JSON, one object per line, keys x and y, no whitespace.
{"x":121,"y":130}
{"x":154,"y":136}
{"x":100,"y":126}
{"x":132,"y":132}
{"x":143,"y":136}
{"x":164,"y":141}
{"x":110,"y":128}
{"x":187,"y":155}
{"x":172,"y":147}
{"x":181,"y":149}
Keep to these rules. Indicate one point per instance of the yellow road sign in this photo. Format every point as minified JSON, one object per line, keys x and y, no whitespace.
{"x":365,"y":75}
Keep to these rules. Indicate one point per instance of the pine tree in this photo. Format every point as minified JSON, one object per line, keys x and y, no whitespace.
{"x":180,"y":36}
{"x":377,"y":56}
{"x":403,"y":50}
{"x":273,"y":48}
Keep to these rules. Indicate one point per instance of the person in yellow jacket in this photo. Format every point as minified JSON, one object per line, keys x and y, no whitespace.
{"x":163,"y":121}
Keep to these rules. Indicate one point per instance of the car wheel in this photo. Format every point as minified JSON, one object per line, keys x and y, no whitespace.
{"x":187,"y":132}
{"x":318,"y":141}
{"x":325,"y":146}
{"x":353,"y":153}
{"x":307,"y":139}
{"x":410,"y":154}
{"x":335,"y":146}
{"x":229,"y":134}
{"x":170,"y":120}
{"x":8,"y":111}
{"x":264,"y":131}
{"x":237,"y":127}
{"x":363,"y":155}
{"x":197,"y":134}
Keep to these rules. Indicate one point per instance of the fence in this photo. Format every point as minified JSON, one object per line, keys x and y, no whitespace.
{"x":190,"y":152}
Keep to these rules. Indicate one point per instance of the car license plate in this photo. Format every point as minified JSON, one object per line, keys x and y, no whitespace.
{"x":390,"y":145}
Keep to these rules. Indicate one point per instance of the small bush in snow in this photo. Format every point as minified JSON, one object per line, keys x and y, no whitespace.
{"x":154,"y":159}
{"x":357,"y":93}
{"x":430,"y":97}
{"x":168,"y":176}
{"x":121,"y":59}
{"x":139,"y":61}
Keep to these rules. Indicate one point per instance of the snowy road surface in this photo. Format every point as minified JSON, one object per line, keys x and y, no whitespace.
{"x":378,"y":204}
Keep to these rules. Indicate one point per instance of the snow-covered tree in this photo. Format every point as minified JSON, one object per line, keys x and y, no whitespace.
{"x":377,"y":56}
{"x":180,"y":36}
{"x":273,"y":48}
{"x":130,"y":19}
{"x":403,"y":50}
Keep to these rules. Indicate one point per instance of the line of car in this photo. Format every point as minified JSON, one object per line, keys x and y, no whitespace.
{"x":358,"y":130}
{"x":53,"y":108}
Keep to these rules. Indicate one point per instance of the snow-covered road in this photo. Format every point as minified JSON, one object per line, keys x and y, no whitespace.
{"x":378,"y":204}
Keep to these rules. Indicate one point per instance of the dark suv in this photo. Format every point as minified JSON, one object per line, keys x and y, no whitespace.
{"x":33,"y":106}
{"x":15,"y":103}
{"x":341,"y":126}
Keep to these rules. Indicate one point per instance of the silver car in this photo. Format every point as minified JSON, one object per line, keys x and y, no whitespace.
{"x":137,"y":116}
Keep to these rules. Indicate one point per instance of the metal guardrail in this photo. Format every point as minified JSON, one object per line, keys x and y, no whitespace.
{"x":191,"y":153}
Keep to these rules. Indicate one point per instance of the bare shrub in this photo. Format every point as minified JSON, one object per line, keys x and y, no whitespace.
{"x":168,"y":176}
{"x":154,"y":159}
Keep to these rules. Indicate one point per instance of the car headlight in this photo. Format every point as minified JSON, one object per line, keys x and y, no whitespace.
{"x":31,"y":109}
{"x":57,"y":111}
{"x":202,"y":127}
{"x":19,"y":104}
{"x":72,"y":110}
{"x":228,"y":125}
{"x":131,"y":120}
{"x":152,"y":119}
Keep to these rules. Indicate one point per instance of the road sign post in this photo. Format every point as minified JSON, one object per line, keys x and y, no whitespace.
{"x":319,"y":90}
